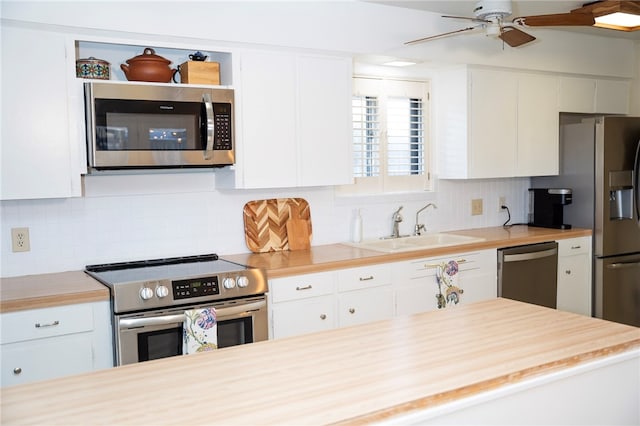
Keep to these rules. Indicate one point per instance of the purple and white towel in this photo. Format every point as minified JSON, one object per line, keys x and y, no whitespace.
{"x":200,"y":330}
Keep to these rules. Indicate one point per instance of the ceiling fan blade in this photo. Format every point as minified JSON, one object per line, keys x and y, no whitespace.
{"x":465,"y":17}
{"x":557,"y":20}
{"x":420,"y":40}
{"x":515,"y":37}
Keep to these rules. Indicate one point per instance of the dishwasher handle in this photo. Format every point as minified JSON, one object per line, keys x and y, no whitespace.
{"x":530,"y":255}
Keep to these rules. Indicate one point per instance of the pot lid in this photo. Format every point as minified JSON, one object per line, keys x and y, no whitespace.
{"x":148,"y":55}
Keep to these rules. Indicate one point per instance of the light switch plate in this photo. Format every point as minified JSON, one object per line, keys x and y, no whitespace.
{"x":476,"y":207}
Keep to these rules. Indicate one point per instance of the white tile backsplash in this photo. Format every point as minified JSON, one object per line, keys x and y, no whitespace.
{"x":124,"y":218}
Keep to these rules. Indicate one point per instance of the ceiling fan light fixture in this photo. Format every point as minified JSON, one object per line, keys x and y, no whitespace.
{"x":613,"y":14}
{"x":619,"y":20}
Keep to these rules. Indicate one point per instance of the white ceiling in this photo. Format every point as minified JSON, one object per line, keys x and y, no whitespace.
{"x":519,"y":8}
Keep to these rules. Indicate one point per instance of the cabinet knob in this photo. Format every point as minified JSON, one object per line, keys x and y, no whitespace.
{"x":568,"y":272}
{"x":352,"y":311}
{"x":323,"y":316}
{"x":17,"y":370}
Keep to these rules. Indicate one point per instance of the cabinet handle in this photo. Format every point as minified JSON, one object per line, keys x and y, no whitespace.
{"x":17,"y":370}
{"x":306,"y":287}
{"x":323,"y":316}
{"x":352,"y":311}
{"x":433,"y":265}
{"x":369,"y":278}
{"x":575,"y":247}
{"x":51,"y":324}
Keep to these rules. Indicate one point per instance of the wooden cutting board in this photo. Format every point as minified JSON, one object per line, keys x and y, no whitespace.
{"x":277,"y":224}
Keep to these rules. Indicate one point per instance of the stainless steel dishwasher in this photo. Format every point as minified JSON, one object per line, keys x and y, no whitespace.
{"x":529,"y":273}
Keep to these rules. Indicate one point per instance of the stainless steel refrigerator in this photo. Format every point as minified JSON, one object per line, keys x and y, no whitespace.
{"x":599,"y":160}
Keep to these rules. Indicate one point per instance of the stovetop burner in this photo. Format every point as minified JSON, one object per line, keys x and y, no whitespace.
{"x":157,"y":283}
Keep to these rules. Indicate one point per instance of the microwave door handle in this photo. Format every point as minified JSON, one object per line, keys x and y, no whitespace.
{"x":208,"y":109}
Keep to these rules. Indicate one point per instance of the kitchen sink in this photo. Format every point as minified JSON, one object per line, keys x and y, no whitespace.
{"x":418,"y":242}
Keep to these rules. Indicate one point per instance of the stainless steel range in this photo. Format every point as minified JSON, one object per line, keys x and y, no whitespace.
{"x":149,"y":299}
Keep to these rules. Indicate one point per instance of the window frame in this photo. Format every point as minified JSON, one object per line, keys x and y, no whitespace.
{"x":382,"y":89}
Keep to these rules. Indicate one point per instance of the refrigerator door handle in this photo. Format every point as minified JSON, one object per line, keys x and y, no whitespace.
{"x":636,"y":183}
{"x":623,"y":265}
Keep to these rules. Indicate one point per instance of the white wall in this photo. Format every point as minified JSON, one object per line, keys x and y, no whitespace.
{"x":140,"y":217}
{"x":116,"y":222}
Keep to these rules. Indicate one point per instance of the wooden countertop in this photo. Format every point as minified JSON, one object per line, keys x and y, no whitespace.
{"x":353,"y":375}
{"x":335,"y":256}
{"x":46,"y":290}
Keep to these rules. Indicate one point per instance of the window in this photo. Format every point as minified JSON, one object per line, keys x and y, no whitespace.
{"x":389,"y":136}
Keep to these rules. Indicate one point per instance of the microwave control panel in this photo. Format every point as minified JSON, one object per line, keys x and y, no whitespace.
{"x":186,"y":289}
{"x":222,"y":139}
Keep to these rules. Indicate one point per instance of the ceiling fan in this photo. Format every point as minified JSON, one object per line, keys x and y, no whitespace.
{"x":490,"y":16}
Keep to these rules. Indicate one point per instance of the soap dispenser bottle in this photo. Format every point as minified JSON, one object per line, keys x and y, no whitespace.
{"x":356,"y":228}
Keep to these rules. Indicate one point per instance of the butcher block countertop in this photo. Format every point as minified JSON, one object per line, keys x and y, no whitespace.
{"x":352,"y":375}
{"x":335,"y":256}
{"x":47,"y":290}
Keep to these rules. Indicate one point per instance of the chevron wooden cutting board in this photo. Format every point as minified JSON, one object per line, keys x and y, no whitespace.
{"x":265,"y":223}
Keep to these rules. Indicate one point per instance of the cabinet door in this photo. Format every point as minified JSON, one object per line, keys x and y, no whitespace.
{"x":574,"y":275}
{"x":44,"y":359}
{"x":574,"y":289}
{"x":576,"y":94}
{"x":493,"y":127}
{"x":612,"y":97}
{"x":538,"y":126}
{"x":36,"y":156}
{"x":324,"y":120}
{"x":303,"y":316}
{"x":362,"y":306}
{"x":267,"y":149}
{"x":415,"y":297}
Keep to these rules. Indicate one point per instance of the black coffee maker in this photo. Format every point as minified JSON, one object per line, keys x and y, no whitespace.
{"x":546,"y":207}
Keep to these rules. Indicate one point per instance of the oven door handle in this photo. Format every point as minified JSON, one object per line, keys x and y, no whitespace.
{"x":221,"y":313}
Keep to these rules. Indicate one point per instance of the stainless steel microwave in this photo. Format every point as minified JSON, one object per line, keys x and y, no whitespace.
{"x":147,"y":126}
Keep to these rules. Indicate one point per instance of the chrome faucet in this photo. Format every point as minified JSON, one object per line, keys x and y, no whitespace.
{"x":417,"y":230}
{"x":396,"y":218}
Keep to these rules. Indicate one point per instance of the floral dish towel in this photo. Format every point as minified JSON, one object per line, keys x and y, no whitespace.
{"x":200,"y":330}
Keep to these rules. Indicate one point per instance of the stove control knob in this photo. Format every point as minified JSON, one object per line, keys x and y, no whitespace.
{"x":242,"y":281}
{"x":162,"y":291}
{"x":229,"y":283}
{"x":146,"y":293}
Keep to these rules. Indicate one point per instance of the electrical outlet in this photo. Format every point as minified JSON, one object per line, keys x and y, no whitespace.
{"x":502,"y":201}
{"x":476,"y":206}
{"x":20,"y":239}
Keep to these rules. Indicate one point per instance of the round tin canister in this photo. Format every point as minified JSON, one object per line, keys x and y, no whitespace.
{"x":93,"y":68}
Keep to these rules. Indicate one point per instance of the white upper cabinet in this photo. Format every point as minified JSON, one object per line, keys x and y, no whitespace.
{"x":590,"y":95}
{"x":496,"y":123}
{"x":538,"y":146}
{"x":294,"y":120}
{"x":39,"y":155}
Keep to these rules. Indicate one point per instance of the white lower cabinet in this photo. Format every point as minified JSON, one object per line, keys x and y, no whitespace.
{"x":416,"y":286}
{"x":41,"y":344}
{"x":574,"y":275}
{"x":364,"y":294}
{"x":301,"y":304}
{"x":314,"y":302}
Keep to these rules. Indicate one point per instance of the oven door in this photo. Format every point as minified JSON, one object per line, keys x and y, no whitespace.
{"x":159,"y":334}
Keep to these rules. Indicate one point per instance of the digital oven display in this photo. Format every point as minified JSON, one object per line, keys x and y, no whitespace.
{"x":195,"y":287}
